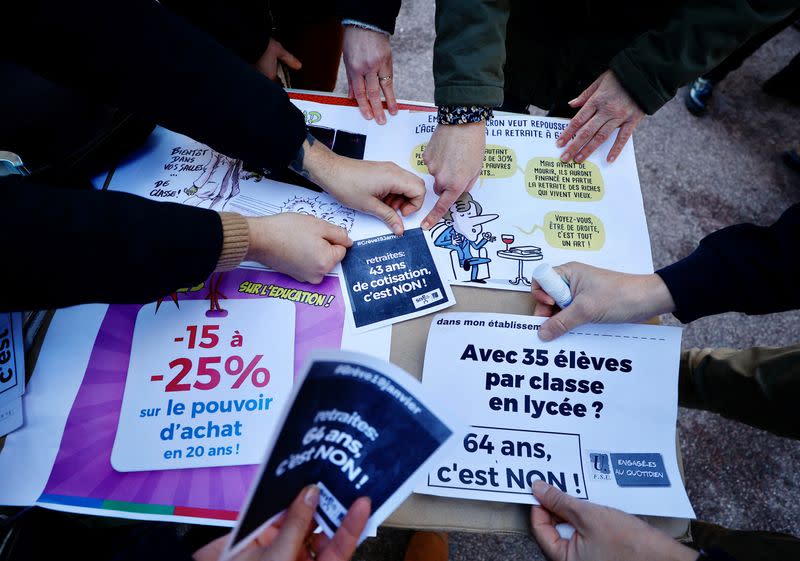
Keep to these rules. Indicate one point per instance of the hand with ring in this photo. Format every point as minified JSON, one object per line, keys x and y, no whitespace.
{"x":368,"y":62}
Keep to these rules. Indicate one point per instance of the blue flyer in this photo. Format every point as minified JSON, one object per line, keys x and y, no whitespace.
{"x":391,"y":279}
{"x":356,"y":426}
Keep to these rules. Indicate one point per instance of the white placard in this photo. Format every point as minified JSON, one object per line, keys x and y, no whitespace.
{"x":593,"y":413}
{"x":204,"y":391}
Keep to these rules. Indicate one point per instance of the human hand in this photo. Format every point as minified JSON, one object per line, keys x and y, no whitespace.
{"x":489,"y":237}
{"x":368,"y":62}
{"x":458,"y":239}
{"x":301,"y":246}
{"x":285,"y":541}
{"x":377,"y":188}
{"x":605,"y":107}
{"x":454,"y":157}
{"x":601,"y":533}
{"x":267,"y":64}
{"x":601,"y":296}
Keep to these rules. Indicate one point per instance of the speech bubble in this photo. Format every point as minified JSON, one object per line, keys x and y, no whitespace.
{"x":417,"y":163}
{"x":498,"y":161}
{"x":552,"y":179}
{"x":574,"y":230}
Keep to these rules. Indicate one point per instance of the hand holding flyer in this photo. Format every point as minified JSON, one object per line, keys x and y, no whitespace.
{"x":347,"y":430}
{"x":592,"y":413}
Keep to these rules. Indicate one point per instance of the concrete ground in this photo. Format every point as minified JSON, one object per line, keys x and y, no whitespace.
{"x":697,"y":175}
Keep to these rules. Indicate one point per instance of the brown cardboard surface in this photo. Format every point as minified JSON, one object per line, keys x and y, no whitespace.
{"x":426,"y":512}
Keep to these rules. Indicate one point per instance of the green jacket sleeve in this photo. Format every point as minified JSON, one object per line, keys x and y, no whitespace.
{"x":695,"y":40}
{"x":469,"y":52}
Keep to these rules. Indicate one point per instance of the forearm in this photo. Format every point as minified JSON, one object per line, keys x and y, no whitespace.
{"x":79,"y":246}
{"x":742,"y":268}
{"x":244,"y":26}
{"x":315,"y":162}
{"x":138,"y":55}
{"x":698,"y":37}
{"x":469,"y":52}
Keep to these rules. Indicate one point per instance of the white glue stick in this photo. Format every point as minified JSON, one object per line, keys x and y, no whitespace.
{"x":553,"y":284}
{"x":565,"y":530}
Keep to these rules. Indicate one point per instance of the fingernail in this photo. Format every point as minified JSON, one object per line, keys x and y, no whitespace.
{"x":560,"y":142}
{"x":311,"y":498}
{"x":540,"y":487}
{"x":611,"y":159}
{"x":397,"y":230}
{"x":425,"y":225}
{"x":565,"y":157}
{"x":572,"y":102}
{"x":579,"y":158}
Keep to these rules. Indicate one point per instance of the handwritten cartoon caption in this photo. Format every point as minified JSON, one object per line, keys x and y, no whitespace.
{"x":574,"y":230}
{"x":552,"y":179}
{"x":499,"y":162}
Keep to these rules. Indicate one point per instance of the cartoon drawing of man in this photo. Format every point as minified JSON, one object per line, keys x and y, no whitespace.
{"x":219,"y":182}
{"x":464,"y":235}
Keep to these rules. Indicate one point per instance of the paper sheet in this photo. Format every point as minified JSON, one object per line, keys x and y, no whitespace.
{"x":528,"y":206}
{"x":347,"y":429}
{"x":593,"y":412}
{"x":63,"y":457}
{"x":12,"y":372}
{"x":389,"y":279}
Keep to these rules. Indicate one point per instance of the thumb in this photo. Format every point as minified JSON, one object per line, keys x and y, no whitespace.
{"x":338,"y":252}
{"x":336,"y":234}
{"x":567,"y":319}
{"x":377,"y":207}
{"x":296,"y":525}
{"x":585,"y":94}
{"x":289,"y":59}
{"x":559,"y":503}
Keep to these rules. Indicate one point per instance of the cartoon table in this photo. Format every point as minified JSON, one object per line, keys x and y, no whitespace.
{"x":521,"y":254}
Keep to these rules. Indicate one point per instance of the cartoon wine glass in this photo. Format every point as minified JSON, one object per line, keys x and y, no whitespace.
{"x":507,"y":239}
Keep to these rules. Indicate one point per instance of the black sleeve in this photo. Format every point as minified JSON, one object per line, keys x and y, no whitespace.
{"x":244,"y":26}
{"x":742,"y":268}
{"x":138,"y":55}
{"x":381,"y":13}
{"x":69,"y":246}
